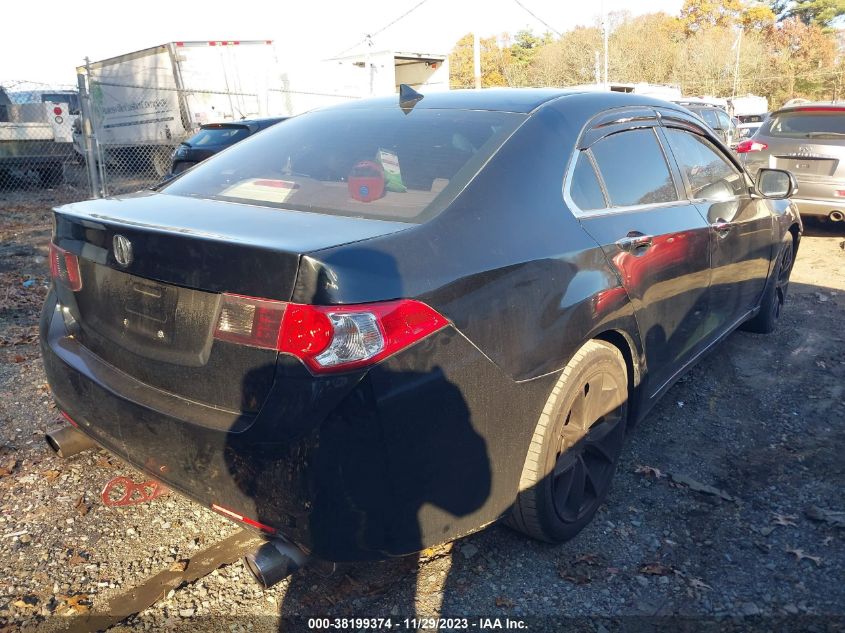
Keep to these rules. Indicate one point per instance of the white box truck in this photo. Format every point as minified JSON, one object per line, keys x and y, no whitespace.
{"x":145,"y":102}
{"x":36,"y":134}
{"x":306,"y":86}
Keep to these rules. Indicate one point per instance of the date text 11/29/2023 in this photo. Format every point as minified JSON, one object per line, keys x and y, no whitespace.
{"x":416,"y":624}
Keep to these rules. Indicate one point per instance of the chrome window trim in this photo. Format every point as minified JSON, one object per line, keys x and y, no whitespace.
{"x":578,"y":212}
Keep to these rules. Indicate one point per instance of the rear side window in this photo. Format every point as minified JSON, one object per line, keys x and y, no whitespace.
{"x":364,"y":162}
{"x":585,"y":189}
{"x":808,"y":123}
{"x":709,"y":174}
{"x":634,"y":169}
{"x":218,"y":136}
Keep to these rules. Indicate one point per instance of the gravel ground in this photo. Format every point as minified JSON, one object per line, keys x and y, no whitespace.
{"x":724,"y":504}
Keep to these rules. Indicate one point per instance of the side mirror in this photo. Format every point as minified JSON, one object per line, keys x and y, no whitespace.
{"x":776,"y":184}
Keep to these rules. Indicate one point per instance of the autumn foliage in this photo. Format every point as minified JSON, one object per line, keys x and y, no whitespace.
{"x":784,"y":52}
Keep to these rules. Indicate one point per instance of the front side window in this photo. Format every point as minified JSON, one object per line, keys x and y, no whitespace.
{"x":709,"y":174}
{"x":634,"y":168}
{"x":377,"y":163}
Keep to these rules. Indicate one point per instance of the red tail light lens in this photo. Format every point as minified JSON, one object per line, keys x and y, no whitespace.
{"x":327,"y":338}
{"x":750,"y":145}
{"x":64,"y":268}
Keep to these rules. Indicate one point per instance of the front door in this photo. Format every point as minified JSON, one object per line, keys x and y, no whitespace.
{"x":741,"y":226}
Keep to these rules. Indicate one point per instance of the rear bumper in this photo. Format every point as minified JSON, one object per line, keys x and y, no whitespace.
{"x":818,"y":208}
{"x":350,"y":467}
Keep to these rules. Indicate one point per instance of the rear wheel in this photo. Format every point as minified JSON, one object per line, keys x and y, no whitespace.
{"x":575,"y":447}
{"x":52,"y":175}
{"x":774,"y":296}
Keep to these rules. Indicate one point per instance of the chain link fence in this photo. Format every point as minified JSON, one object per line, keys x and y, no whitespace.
{"x":106,"y":137}
{"x":36,"y":138}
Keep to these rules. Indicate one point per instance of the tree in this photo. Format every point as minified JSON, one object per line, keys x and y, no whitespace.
{"x":697,"y":15}
{"x":810,"y":12}
{"x":757,"y":17}
{"x":493,"y":63}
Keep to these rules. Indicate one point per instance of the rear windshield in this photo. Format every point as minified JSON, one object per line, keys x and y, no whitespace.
{"x":218,"y":136}
{"x":372,"y":163}
{"x":808,"y":124}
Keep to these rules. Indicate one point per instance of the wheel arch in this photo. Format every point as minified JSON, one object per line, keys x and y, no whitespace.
{"x":628,"y":348}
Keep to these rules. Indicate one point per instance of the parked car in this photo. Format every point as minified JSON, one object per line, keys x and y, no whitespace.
{"x":716,"y":118}
{"x":749,"y":124}
{"x":213,"y":138}
{"x":809,"y":141}
{"x":382,"y":326}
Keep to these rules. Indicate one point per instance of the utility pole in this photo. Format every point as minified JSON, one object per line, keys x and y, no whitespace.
{"x":476,"y":60}
{"x":736,"y":66}
{"x":606,"y":47}
{"x":598,"y":68}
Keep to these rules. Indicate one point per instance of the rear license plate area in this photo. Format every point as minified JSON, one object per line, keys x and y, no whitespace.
{"x":150,"y":310}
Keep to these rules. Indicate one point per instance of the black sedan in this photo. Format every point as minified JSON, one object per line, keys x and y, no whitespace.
{"x":387,"y":324}
{"x":213,"y":138}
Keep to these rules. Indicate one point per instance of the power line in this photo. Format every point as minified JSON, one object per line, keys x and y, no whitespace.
{"x":538,"y":18}
{"x":384,"y":28}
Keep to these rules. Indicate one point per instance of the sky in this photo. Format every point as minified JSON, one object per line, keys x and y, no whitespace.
{"x":41,"y":44}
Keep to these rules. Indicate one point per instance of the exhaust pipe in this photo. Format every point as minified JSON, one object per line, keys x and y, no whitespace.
{"x":836,"y":216}
{"x":274,"y":561}
{"x":66,"y":441}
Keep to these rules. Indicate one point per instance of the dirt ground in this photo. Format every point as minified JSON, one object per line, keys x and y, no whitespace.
{"x":728,"y":503}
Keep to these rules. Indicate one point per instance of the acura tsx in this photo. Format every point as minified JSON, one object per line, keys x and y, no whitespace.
{"x":386,"y":324}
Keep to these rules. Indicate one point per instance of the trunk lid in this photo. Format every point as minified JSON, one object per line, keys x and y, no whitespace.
{"x":150,"y":308}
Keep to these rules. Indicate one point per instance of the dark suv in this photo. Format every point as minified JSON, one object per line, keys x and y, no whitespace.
{"x":213,"y":138}
{"x":716,"y":119}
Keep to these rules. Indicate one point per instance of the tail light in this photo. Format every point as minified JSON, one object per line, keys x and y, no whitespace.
{"x":750,"y":145}
{"x":327,"y":338}
{"x":64,"y":268}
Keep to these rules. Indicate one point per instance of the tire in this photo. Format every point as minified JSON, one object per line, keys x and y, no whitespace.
{"x":771,"y":303}
{"x":52,"y":175}
{"x":577,"y":442}
{"x":160,"y":161}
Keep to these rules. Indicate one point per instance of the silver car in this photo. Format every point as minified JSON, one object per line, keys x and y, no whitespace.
{"x":809,"y":141}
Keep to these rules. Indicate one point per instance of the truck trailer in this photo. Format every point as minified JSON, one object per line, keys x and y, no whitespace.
{"x":145,"y":102}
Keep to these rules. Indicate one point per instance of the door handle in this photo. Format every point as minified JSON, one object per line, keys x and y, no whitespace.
{"x":722,"y":227}
{"x":634,"y":241}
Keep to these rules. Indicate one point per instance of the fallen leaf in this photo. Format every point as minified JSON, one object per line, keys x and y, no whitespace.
{"x":801,"y":555}
{"x":656,"y":569}
{"x":78,"y":603}
{"x":8,"y":468}
{"x":81,"y":507}
{"x":51,"y":475}
{"x":506,"y":603}
{"x":179,"y":565}
{"x":697,"y":486}
{"x":784,"y":519}
{"x":586,"y":559}
{"x":833,"y":517}
{"x":575,"y":578}
{"x":698,"y":584}
{"x":649,"y":471}
{"x":103,"y":462}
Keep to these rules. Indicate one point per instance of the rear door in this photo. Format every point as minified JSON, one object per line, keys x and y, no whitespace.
{"x":741,"y":225}
{"x":628,"y":198}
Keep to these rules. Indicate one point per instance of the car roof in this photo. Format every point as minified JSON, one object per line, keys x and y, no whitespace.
{"x":520,"y":100}
{"x":246,"y":122}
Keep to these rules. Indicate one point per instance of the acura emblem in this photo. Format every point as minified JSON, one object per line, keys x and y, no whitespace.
{"x":122,"y":250}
